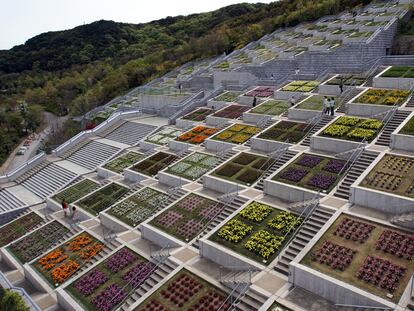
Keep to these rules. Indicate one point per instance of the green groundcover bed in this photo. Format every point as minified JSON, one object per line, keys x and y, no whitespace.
{"x":120,"y":163}
{"x":286,"y":131}
{"x":76,"y":191}
{"x":408,"y":128}
{"x":399,"y":72}
{"x":315,"y":102}
{"x":155,"y":163}
{"x":272,"y":107}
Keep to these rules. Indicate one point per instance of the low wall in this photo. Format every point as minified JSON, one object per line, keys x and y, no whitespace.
{"x":332,"y":145}
{"x":66,"y":301}
{"x":255,"y":118}
{"x":287,"y":192}
{"x":171,"y":180}
{"x":286,"y":95}
{"x":217,"y":146}
{"x":267,"y":145}
{"x":220,"y":185}
{"x":182,"y":123}
{"x":104,"y":173}
{"x":134,"y":176}
{"x":234,"y":77}
{"x":159,"y":237}
{"x":215,"y":121}
{"x":36,"y":279}
{"x":402,"y":142}
{"x":327,"y":89}
{"x":302,"y":114}
{"x":159,"y":101}
{"x":393,"y":83}
{"x":366,"y":110}
{"x":112,"y":223}
{"x":179,"y":145}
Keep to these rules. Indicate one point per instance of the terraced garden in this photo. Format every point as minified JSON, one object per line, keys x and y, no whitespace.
{"x":258,"y":232}
{"x":245,"y":169}
{"x":187,"y":218}
{"x":291,"y":132}
{"x":103,"y":198}
{"x":368,"y":255}
{"x":19,"y":227}
{"x":237,"y":134}
{"x":76,"y":191}
{"x":315,"y":102}
{"x":61,"y":263}
{"x":301,"y":86}
{"x":383,"y":97}
{"x":393,"y":174}
{"x":198,"y":115}
{"x":38,"y":242}
{"x":139,"y":207}
{"x":272,"y":107}
{"x":157,"y":162}
{"x":197,"y":135}
{"x":194,"y":166}
{"x":353,"y":128}
{"x":106,"y":285}
{"x":187,"y":292}
{"x":231,"y":112}
{"x":261,"y":91}
{"x":164,"y":136}
{"x":315,"y":172}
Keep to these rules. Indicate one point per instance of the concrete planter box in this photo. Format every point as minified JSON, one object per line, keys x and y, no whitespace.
{"x":216,"y":121}
{"x":332,"y":145}
{"x":332,"y":36}
{"x":266,"y":145}
{"x":327,"y":89}
{"x":364,"y":17}
{"x":66,"y":301}
{"x":350,"y":26}
{"x":183,"y":124}
{"x":364,"y":28}
{"x":381,"y":201}
{"x":216,"y":145}
{"x":104,"y":173}
{"x":302,"y":114}
{"x":365,"y":110}
{"x":134,"y":176}
{"x":354,"y":39}
{"x":287,"y":192}
{"x":393,"y":83}
{"x":224,"y":256}
{"x":9,"y":259}
{"x":286,"y":95}
{"x":247,"y":100}
{"x":159,"y":237}
{"x":221,"y":185}
{"x":171,"y":180}
{"x":179,"y":145}
{"x":383,"y":18}
{"x":112,"y":223}
{"x":402,"y":142}
{"x":53,"y":205}
{"x":217,"y":105}
{"x":36,"y":279}
{"x":286,"y":55}
{"x":145,"y":145}
{"x":250,"y":117}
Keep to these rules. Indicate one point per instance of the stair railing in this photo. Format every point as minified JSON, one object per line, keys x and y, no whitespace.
{"x":359,"y":307}
{"x":108,"y":234}
{"x":312,"y":122}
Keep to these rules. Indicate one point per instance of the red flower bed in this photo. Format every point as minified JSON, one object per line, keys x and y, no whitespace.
{"x":354,"y":230}
{"x":210,"y":301}
{"x":400,"y":245}
{"x":181,"y":290}
{"x":231,"y":112}
{"x":333,"y":255}
{"x":261,"y":91}
{"x":381,"y":273}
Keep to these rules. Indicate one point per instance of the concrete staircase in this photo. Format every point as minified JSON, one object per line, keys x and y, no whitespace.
{"x":226,"y":212}
{"x":360,"y":165}
{"x":404,"y":220}
{"x":309,"y":229}
{"x":410,"y":103}
{"x":130,"y":133}
{"x":410,"y":305}
{"x":344,"y":101}
{"x":93,"y":154}
{"x":385,"y":137}
{"x":32,"y":171}
{"x":252,"y":300}
{"x":370,"y":79}
{"x":286,"y":156}
{"x":324,"y":121}
{"x":162,"y":271}
{"x":112,"y":128}
{"x":8,"y":201}
{"x":48,"y":180}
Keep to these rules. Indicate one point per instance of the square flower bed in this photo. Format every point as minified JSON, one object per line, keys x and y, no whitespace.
{"x":104,"y":287}
{"x":258,"y":232}
{"x":272,"y":107}
{"x":383,"y":97}
{"x":164,"y":136}
{"x":198,"y":115}
{"x":408,"y":128}
{"x":368,"y":255}
{"x":231,"y":112}
{"x":197,"y":135}
{"x":246,"y":168}
{"x":186,"y":291}
{"x":261,"y":91}
{"x":187,"y":218}
{"x":38,"y":242}
{"x":194,"y":166}
{"x":139,"y":207}
{"x":353,"y":128}
{"x":315,"y":102}
{"x":76,"y":191}
{"x":315,"y":172}
{"x":293,"y":132}
{"x":227,"y":97}
{"x":399,"y":72}
{"x":19,"y":227}
{"x":120,"y":163}
{"x":61,"y":263}
{"x":237,"y":133}
{"x":301,"y":86}
{"x":103,"y":198}
{"x":393,"y":174}
{"x":157,"y":162}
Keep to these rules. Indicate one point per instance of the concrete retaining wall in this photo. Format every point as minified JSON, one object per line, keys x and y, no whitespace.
{"x":181,"y":123}
{"x":215,"y":121}
{"x":255,"y":118}
{"x":134,"y":176}
{"x":287,"y":192}
{"x":302,"y":114}
{"x":35,"y":278}
{"x":66,"y":301}
{"x":267,"y":145}
{"x":216,"y":145}
{"x":112,"y":223}
{"x":366,"y":110}
{"x":159,"y":237}
{"x":220,"y":185}
{"x":402,"y":142}
{"x":104,"y":173}
{"x":332,"y":145}
{"x":393,"y":83}
{"x":171,"y":180}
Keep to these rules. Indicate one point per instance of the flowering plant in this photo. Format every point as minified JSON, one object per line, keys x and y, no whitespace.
{"x":264,"y":243}
{"x":234,"y":231}
{"x":256,"y":211}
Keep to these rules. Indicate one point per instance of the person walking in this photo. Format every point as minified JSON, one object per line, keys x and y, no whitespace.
{"x":65,"y":207}
{"x":332,"y":106}
{"x":325,"y":104}
{"x":292,"y":101}
{"x":74,"y":213}
{"x":341,"y":85}
{"x":254,"y":101}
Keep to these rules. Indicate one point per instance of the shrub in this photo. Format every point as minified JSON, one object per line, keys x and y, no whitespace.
{"x":12,"y":301}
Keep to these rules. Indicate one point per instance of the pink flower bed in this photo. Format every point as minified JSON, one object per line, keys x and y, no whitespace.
{"x":190,"y":202}
{"x":400,"y":245}
{"x":381,"y":273}
{"x":190,"y":228}
{"x":169,"y":219}
{"x":333,"y":255}
{"x":261,"y":91}
{"x":354,"y":230}
{"x":211,"y":211}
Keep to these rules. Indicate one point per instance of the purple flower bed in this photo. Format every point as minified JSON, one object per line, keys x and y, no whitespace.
{"x":190,"y":228}
{"x":294,"y":174}
{"x":169,"y":219}
{"x":334,"y":166}
{"x":309,"y":161}
{"x":138,"y":274}
{"x":110,"y":297}
{"x":211,"y":211}
{"x":321,"y":181}
{"x":190,"y":202}
{"x":120,"y":260}
{"x":90,"y":282}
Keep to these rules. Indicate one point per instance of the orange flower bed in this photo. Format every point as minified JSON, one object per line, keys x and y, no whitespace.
{"x":90,"y":251}
{"x":210,"y":131}
{"x":186,"y":136}
{"x":199,"y":129}
{"x":52,"y":259}
{"x":79,"y":242}
{"x":198,"y":139}
{"x":197,"y":135}
{"x":64,"y":271}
